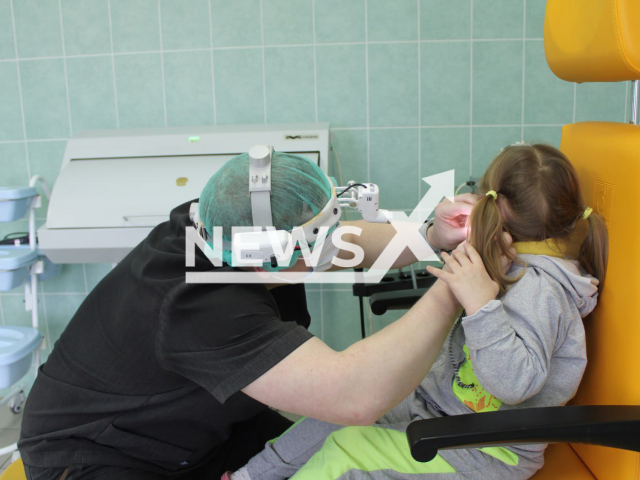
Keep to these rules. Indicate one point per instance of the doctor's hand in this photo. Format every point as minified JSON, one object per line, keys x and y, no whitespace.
{"x":450,"y":222}
{"x":467,"y":278}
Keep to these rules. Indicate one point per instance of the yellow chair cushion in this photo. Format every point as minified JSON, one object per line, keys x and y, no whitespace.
{"x":607,"y":160}
{"x":562,"y":462}
{"x":593,"y":40}
{"x":15,"y":471}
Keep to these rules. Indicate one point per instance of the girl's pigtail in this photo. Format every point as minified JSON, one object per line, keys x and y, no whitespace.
{"x":594,"y":250}
{"x":486,"y":237}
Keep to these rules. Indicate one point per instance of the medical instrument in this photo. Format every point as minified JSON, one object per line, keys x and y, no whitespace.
{"x":363,"y":197}
{"x":16,"y":238}
{"x":266,"y":245}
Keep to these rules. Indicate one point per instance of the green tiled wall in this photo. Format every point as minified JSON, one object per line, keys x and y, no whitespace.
{"x":410,"y":87}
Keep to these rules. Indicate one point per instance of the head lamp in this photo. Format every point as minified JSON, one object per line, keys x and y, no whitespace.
{"x":265,"y":246}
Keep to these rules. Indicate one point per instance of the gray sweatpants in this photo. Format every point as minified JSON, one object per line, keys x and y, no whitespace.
{"x":315,"y":450}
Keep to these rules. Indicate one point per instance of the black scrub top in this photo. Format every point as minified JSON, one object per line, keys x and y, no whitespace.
{"x":148,"y":372}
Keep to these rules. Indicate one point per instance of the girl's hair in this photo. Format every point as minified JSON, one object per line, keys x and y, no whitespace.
{"x":538,"y":198}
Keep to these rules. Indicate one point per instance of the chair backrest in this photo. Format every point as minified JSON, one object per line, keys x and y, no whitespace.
{"x":599,"y":40}
{"x":607,"y":158}
{"x":593,"y":40}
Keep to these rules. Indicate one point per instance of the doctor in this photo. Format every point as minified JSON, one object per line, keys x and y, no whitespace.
{"x":156,"y":378}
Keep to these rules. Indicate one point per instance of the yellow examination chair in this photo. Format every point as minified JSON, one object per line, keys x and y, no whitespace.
{"x":15,"y":471}
{"x":586,"y":41}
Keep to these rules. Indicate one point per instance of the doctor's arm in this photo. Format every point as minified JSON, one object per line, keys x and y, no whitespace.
{"x":360,"y":384}
{"x":448,"y":230}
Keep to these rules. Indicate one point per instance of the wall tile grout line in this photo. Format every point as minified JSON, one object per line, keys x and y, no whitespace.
{"x":321,"y":312}
{"x":64,"y":64}
{"x":626,"y":102}
{"x":35,"y":140}
{"x":366,"y":69}
{"x":315,"y":62}
{"x":524,"y":49}
{"x":264,"y":77}
{"x":2,"y":313}
{"x":575,"y":101}
{"x":21,"y":98}
{"x":46,"y":323}
{"x":164,"y":90}
{"x":291,"y":45}
{"x":84,"y":277}
{"x":274,"y":46}
{"x":213,"y":71}
{"x":462,"y":125}
{"x":471,"y":89}
{"x":113,"y":65}
{"x":391,"y":127}
{"x":419,"y":179}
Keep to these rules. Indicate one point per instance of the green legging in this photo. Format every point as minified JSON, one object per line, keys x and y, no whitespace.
{"x":314,"y":450}
{"x":367,"y":452}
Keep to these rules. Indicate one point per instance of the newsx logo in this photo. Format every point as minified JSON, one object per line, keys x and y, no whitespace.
{"x":407,"y":236}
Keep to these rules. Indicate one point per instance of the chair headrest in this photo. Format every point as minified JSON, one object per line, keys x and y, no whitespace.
{"x":593,"y":40}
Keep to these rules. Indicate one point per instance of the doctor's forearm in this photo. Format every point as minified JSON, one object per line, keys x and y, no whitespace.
{"x":373,"y":240}
{"x":390,"y":364}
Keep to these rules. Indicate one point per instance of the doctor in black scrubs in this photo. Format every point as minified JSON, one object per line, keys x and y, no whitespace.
{"x":157,"y":378}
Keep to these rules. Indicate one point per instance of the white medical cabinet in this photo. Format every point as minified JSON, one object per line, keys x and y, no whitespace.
{"x":115,"y":186}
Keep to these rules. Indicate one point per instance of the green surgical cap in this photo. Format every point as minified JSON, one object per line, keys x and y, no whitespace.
{"x":299,"y":191}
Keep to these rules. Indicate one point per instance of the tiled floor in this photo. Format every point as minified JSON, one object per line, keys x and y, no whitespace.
{"x":9,"y":433}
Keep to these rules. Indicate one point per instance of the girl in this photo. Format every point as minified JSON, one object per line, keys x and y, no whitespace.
{"x":520,"y":342}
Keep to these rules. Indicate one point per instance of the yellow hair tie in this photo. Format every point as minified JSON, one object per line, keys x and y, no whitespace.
{"x":492,"y":193}
{"x":587,"y":212}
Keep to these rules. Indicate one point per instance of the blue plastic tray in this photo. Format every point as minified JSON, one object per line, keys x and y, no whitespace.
{"x":16,"y":346}
{"x":14,"y":265}
{"x":14,"y":202}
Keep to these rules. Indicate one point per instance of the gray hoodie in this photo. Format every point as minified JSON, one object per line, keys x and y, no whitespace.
{"x":526,"y":349}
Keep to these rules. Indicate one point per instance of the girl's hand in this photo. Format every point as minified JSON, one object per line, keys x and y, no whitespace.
{"x":467,"y":278}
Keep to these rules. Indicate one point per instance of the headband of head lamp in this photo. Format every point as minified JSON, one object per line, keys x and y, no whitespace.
{"x":265,"y":246}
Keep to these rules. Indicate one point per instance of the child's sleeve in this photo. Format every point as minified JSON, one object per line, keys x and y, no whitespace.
{"x":511,"y":343}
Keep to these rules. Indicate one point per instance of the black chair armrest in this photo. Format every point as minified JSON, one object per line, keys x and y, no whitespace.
{"x":616,"y":426}
{"x":397,"y":300}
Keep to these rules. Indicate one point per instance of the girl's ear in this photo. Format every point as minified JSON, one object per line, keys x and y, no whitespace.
{"x":506,"y":237}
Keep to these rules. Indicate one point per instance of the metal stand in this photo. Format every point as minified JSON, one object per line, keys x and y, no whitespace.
{"x":16,"y":397}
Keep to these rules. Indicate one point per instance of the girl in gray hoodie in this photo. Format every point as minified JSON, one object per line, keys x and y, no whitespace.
{"x":520,"y":342}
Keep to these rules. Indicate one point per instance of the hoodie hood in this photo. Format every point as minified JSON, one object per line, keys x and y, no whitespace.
{"x":581,"y":287}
